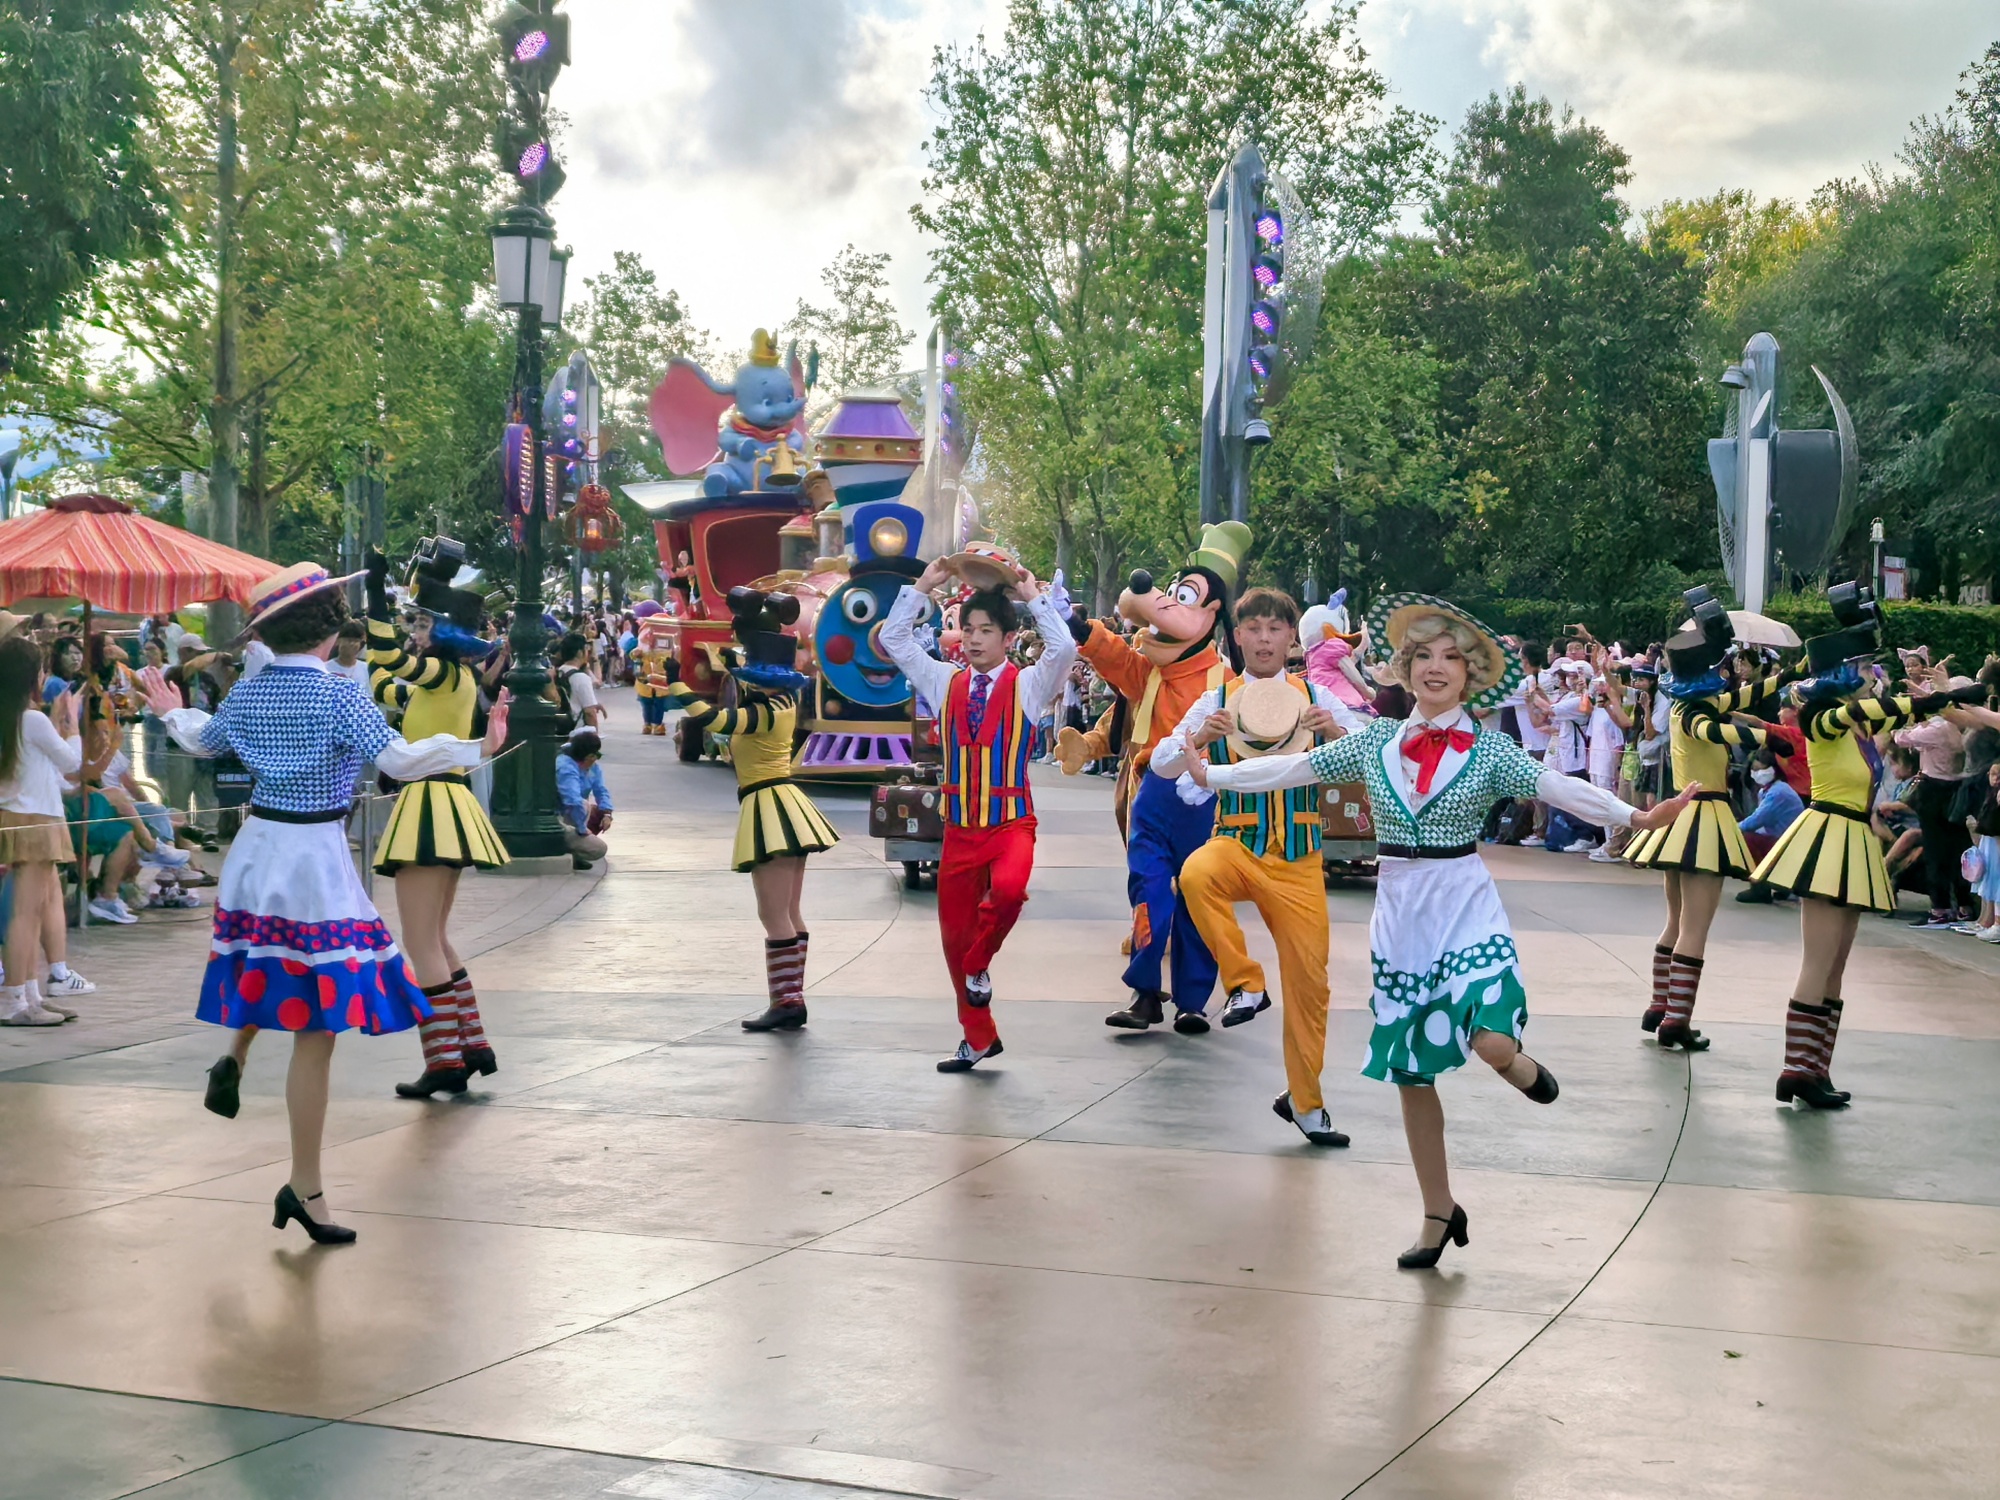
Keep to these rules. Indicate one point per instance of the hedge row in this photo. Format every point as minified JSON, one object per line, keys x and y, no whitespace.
{"x":1968,"y":632}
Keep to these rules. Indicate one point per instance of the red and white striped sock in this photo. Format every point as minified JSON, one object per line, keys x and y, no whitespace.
{"x":782,"y":967}
{"x":1683,"y":979}
{"x":1663,"y":958}
{"x":805,"y":942}
{"x":440,"y":1033}
{"x":1805,"y":1032}
{"x":471,"y":1033}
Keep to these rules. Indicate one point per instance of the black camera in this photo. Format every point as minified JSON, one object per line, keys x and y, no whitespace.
{"x":438,"y":558}
{"x":1859,"y":633}
{"x":1700,"y":649}
{"x":433,"y":565}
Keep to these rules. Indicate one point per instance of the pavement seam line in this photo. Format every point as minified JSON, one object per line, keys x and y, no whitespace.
{"x":1687,"y":1109}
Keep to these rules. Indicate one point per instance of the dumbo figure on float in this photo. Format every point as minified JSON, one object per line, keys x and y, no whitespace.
{"x":754,"y":444}
{"x":1172,"y":660}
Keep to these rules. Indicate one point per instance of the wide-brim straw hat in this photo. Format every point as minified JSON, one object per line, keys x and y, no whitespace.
{"x":284,"y":589}
{"x":1267,"y":711}
{"x":985,"y":567}
{"x":1390,"y":618}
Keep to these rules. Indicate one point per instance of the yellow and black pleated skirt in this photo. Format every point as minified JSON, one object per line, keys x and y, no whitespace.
{"x":438,"y":822}
{"x":1703,"y":840}
{"x":1830,"y":852}
{"x":774,"y":819}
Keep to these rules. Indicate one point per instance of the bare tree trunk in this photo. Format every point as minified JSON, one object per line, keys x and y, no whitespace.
{"x":225,"y":422}
{"x":254,"y":500}
{"x":1104,"y":561}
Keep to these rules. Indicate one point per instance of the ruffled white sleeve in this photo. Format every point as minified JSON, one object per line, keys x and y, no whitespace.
{"x":186,"y":726}
{"x":1591,"y":803}
{"x":402,"y":761}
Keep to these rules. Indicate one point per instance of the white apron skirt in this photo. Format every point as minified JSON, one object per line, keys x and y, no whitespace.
{"x":1444,"y":967}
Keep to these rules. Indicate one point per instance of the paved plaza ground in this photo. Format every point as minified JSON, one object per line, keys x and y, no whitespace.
{"x":655,"y":1256}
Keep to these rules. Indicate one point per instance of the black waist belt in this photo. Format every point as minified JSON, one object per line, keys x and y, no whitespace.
{"x":278,"y":815}
{"x":757,"y":786}
{"x":1424,"y":851}
{"x":1839,"y":810}
{"x":1711,"y":796}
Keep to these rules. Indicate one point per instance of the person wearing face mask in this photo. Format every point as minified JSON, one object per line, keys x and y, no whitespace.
{"x":1778,"y":806}
{"x":1447,"y":976}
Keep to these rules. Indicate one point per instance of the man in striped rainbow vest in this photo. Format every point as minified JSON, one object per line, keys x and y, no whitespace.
{"x":986,"y":718}
{"x":1266,"y":851}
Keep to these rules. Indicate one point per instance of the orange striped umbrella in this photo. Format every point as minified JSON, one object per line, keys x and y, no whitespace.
{"x":99,"y":550}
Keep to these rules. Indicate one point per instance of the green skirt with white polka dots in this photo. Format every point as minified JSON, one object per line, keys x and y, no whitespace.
{"x":1444,"y":964}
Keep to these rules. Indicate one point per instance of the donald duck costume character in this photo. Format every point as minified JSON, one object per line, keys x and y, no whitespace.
{"x":1447,"y":978}
{"x":1171,"y":662}
{"x":777,"y":825}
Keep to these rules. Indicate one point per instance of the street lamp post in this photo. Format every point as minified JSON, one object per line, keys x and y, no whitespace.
{"x":529,"y":273}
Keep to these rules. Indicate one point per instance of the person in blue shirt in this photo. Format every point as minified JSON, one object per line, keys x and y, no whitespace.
{"x":586,"y":802}
{"x":1777,"y":807}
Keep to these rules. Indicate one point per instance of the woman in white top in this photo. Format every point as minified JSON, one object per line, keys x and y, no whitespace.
{"x":37,"y":753}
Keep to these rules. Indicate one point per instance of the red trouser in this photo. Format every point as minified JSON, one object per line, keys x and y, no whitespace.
{"x":982,"y":884}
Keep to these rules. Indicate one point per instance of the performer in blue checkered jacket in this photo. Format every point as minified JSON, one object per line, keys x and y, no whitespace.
{"x":297,"y":943}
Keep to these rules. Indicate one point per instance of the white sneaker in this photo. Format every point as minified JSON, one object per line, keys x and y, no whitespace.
{"x":111,"y":909}
{"x":71,"y":983}
{"x":1532,"y":842}
{"x":1603,"y":857}
{"x":1989,"y":934}
{"x":166,"y":856}
{"x":1581,"y":846}
{"x":1970,"y":929}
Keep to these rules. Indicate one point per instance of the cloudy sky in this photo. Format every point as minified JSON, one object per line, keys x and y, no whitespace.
{"x":739,"y":144}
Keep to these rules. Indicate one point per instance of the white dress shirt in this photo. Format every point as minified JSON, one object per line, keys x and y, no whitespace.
{"x":1034,"y":688}
{"x":1170,"y":756}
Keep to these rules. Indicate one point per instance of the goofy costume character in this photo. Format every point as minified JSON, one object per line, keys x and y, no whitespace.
{"x":1171,"y":661}
{"x":986,"y":727}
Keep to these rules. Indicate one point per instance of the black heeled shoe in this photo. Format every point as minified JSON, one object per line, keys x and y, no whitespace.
{"x":1454,"y":1234}
{"x":1684,"y":1037}
{"x":480,"y":1060}
{"x":225,"y":1076}
{"x":434,"y":1081}
{"x":1650,"y":1020}
{"x":778,"y":1018}
{"x":288,"y":1207}
{"x":1545,"y":1088}
{"x":1810,"y":1090}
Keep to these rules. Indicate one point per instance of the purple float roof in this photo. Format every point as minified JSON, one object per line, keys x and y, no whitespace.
{"x":869,"y":415}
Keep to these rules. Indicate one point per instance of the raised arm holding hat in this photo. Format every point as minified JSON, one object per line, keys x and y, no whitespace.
{"x":1263,"y":845}
{"x":1447,"y":979}
{"x":1171,"y":660}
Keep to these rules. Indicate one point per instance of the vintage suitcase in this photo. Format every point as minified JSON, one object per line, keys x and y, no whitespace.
{"x":1343,"y":815}
{"x":913,"y":811}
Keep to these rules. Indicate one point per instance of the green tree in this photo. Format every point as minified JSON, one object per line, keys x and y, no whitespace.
{"x":859,"y":337}
{"x":1065,"y":190}
{"x":320,"y":298}
{"x":77,"y":192}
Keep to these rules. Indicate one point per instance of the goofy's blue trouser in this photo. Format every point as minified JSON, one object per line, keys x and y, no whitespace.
{"x":1162,"y":832}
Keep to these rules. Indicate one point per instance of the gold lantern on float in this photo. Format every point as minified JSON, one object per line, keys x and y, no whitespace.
{"x":592,"y":525}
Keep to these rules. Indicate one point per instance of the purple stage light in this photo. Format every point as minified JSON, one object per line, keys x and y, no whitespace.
{"x":1264,"y":317}
{"x":1270,"y":228}
{"x":1260,"y":362}
{"x":534,"y":158}
{"x":531,"y":46}
{"x":1267,"y":269}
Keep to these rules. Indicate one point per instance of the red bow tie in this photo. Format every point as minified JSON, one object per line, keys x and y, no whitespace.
{"x":1427,"y":747}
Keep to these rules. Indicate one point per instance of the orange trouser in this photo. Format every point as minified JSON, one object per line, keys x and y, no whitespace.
{"x":1291,"y":897}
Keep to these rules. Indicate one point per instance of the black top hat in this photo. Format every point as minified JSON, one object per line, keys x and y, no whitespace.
{"x":759,"y":620}
{"x":1697,"y":652}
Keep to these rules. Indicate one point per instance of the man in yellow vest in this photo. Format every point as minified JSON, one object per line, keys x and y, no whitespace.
{"x":1265,"y":849}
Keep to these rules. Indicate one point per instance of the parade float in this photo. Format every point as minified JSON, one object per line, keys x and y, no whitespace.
{"x":768,"y":505}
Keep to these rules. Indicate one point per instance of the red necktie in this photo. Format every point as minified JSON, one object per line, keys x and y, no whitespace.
{"x":1427,"y":747}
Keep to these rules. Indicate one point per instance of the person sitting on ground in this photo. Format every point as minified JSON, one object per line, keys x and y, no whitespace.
{"x":1895,"y":818}
{"x":1778,"y":806}
{"x":106,"y":832}
{"x":586,"y":802}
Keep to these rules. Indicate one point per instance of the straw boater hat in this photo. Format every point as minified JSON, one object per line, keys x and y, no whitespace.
{"x":985,"y":567}
{"x":1390,"y":618}
{"x":282,"y":590}
{"x":1267,"y":712}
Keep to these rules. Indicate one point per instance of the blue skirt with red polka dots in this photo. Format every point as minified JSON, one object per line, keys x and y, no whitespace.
{"x":297,"y":944}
